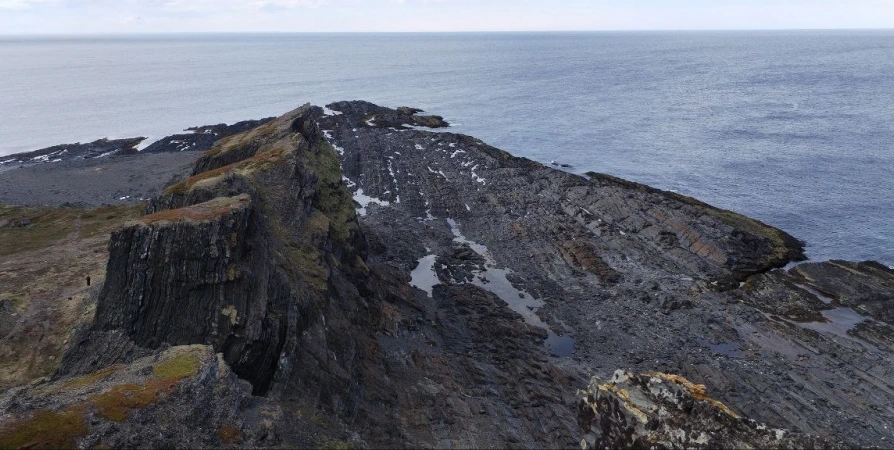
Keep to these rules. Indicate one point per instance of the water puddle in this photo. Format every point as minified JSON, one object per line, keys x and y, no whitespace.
{"x":496,"y":281}
{"x":728,"y":349}
{"x":823,"y":297}
{"x":840,"y":320}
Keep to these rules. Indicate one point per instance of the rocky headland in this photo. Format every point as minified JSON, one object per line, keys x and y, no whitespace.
{"x":358,"y":276}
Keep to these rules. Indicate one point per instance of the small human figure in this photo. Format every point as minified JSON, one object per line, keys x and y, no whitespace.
{"x":88,"y":280}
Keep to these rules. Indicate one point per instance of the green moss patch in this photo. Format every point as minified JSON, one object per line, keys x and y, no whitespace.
{"x":45,"y":429}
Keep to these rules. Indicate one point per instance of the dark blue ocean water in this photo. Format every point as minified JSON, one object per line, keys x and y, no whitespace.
{"x":793,"y":128}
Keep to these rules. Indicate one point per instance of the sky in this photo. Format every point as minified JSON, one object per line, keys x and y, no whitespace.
{"x":151,"y":16}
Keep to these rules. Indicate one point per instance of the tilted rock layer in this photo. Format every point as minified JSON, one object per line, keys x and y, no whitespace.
{"x":377,"y":282}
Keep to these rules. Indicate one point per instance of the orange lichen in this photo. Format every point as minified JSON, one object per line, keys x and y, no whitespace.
{"x":697,"y":391}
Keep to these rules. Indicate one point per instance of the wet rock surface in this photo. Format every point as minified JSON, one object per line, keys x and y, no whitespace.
{"x":378,"y":282}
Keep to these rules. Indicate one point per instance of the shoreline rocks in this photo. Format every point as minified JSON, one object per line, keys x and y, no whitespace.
{"x":290,"y":249}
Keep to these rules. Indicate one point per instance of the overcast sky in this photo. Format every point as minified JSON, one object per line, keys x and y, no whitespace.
{"x":115,"y":16}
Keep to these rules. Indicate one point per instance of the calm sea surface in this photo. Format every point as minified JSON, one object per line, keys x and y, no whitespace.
{"x":795,"y":129}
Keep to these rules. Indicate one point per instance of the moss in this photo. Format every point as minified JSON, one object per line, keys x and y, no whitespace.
{"x":178,"y":367}
{"x":45,"y":429}
{"x":306,"y":262}
{"x":91,"y":379}
{"x":256,"y":163}
{"x":201,"y":212}
{"x":332,"y":197}
{"x":117,"y":403}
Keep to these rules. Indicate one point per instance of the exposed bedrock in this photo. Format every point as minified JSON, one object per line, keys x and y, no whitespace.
{"x":383,"y":283}
{"x":244,"y":255}
{"x":657,"y":410}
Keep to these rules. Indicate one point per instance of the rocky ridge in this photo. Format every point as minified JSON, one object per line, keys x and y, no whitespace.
{"x":376,"y":281}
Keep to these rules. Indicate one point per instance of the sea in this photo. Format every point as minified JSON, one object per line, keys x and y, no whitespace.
{"x":794,"y":128}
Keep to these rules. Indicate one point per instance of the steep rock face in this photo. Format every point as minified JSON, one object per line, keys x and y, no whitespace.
{"x":657,"y":410}
{"x":242,"y":255}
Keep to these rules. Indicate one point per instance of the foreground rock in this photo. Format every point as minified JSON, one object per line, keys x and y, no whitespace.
{"x":378,"y":282}
{"x":157,"y":401}
{"x":658,"y":410}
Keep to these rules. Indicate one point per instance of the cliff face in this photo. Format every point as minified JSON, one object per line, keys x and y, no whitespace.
{"x":242,"y":255}
{"x":376,"y":281}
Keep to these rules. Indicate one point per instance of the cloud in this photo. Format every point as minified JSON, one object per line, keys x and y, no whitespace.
{"x":22,"y":4}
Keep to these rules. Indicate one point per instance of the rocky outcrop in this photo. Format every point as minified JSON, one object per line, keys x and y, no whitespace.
{"x":239,"y":256}
{"x":657,"y":410}
{"x":201,"y":138}
{"x":383,"y":283}
{"x":69,"y":152}
{"x":156,"y":401}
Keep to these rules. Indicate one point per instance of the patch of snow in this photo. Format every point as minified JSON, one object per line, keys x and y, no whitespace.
{"x":107,"y":154}
{"x":124,"y":198}
{"x":476,"y":177}
{"x":365,"y":200}
{"x":419,"y":147}
{"x":453,"y":155}
{"x":438,"y":172}
{"x":371,"y":122}
{"x":43,"y":158}
{"x":330,"y":112}
{"x":424,"y":277}
{"x":467,"y":207}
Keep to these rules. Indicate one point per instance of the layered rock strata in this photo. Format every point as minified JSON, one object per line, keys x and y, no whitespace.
{"x":377,"y":281}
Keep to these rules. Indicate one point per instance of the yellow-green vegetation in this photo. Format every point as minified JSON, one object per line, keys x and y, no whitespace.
{"x":91,"y":379}
{"x":178,"y":367}
{"x":333,"y":198}
{"x":45,"y":256}
{"x":201,"y":212}
{"x":334,"y":444}
{"x":117,"y":403}
{"x":258,"y":162}
{"x":243,"y":139}
{"x":26,"y":228}
{"x":45,"y":429}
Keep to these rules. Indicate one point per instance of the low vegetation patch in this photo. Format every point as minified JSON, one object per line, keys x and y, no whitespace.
{"x":209,"y":210}
{"x":45,"y":429}
{"x":30,"y":228}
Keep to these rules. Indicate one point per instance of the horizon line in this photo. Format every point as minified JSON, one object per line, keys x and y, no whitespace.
{"x":283,"y":32}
